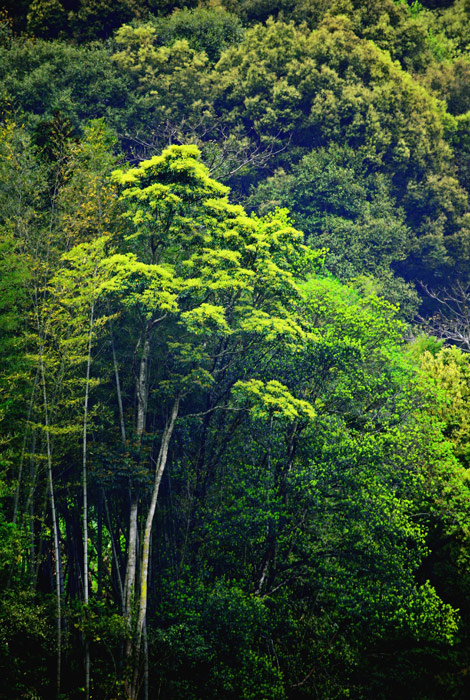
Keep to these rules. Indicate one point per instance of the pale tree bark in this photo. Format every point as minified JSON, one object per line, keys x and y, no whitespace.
{"x":159,"y":469}
{"x":119,"y":395}
{"x":142,"y":385}
{"x":129,"y":581}
{"x":130,"y":578}
{"x":54,"y":528}
{"x":85,"y":498}
{"x":122,"y":588}
{"x":142,"y":395}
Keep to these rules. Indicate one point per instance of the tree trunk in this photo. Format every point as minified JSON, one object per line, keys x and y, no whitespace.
{"x":142,"y":394}
{"x":130,"y":579}
{"x":116,"y":559}
{"x":85,"y":500}
{"x":55,"y":530}
{"x":159,"y":469}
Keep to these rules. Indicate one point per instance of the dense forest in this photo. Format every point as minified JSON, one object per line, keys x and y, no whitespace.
{"x":235,"y":337}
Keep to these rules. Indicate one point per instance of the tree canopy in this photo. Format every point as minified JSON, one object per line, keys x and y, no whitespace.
{"x":234,"y":328}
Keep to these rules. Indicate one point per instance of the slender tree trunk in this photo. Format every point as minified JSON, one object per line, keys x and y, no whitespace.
{"x":85,"y":500}
{"x":114,"y":550}
{"x":146,"y":665}
{"x":142,"y":394}
{"x":119,"y":395}
{"x":99,"y":544}
{"x":32,"y":534}
{"x":130,"y":579}
{"x":20,"y":471}
{"x":132,"y":517}
{"x":142,"y":386}
{"x":159,"y":469}
{"x":129,"y":582}
{"x":54,"y":528}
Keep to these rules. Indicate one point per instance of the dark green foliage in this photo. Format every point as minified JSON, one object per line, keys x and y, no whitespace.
{"x":328,"y":551}
{"x":311,"y":531}
{"x":42,"y":78}
{"x":206,"y":30}
{"x":26,"y":646}
{"x":349,"y":212}
{"x":82,"y":20}
{"x":451,"y":82}
{"x":313,"y":88}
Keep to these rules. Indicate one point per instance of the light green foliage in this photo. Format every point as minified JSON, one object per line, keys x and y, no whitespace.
{"x":65,"y":337}
{"x":203,"y":263}
{"x":273,"y":400}
{"x":311,"y":530}
{"x":173,"y":81}
{"x":335,"y":423}
{"x":150,"y":287}
{"x":329,"y":85}
{"x":449,"y":370}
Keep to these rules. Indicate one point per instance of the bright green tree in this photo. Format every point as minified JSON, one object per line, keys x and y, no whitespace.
{"x":205,"y":282}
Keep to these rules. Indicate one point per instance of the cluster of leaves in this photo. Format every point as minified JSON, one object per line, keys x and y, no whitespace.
{"x":262,"y":87}
{"x":294,"y":515}
{"x":302,"y":469}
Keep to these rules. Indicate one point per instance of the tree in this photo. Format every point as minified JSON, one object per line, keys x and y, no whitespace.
{"x":173,"y":83}
{"x":349,"y":212}
{"x":42,"y":78}
{"x":211,"y":30}
{"x":329,"y":85}
{"x":312,"y":502}
{"x":205,"y":282}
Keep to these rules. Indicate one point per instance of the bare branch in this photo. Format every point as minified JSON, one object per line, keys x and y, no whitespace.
{"x":452,"y":322}
{"x":224,"y":152}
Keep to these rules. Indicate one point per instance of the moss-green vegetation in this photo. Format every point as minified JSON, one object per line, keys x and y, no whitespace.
{"x":234,"y":318}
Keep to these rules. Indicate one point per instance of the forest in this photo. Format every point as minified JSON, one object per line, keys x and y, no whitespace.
{"x":235,"y":349}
